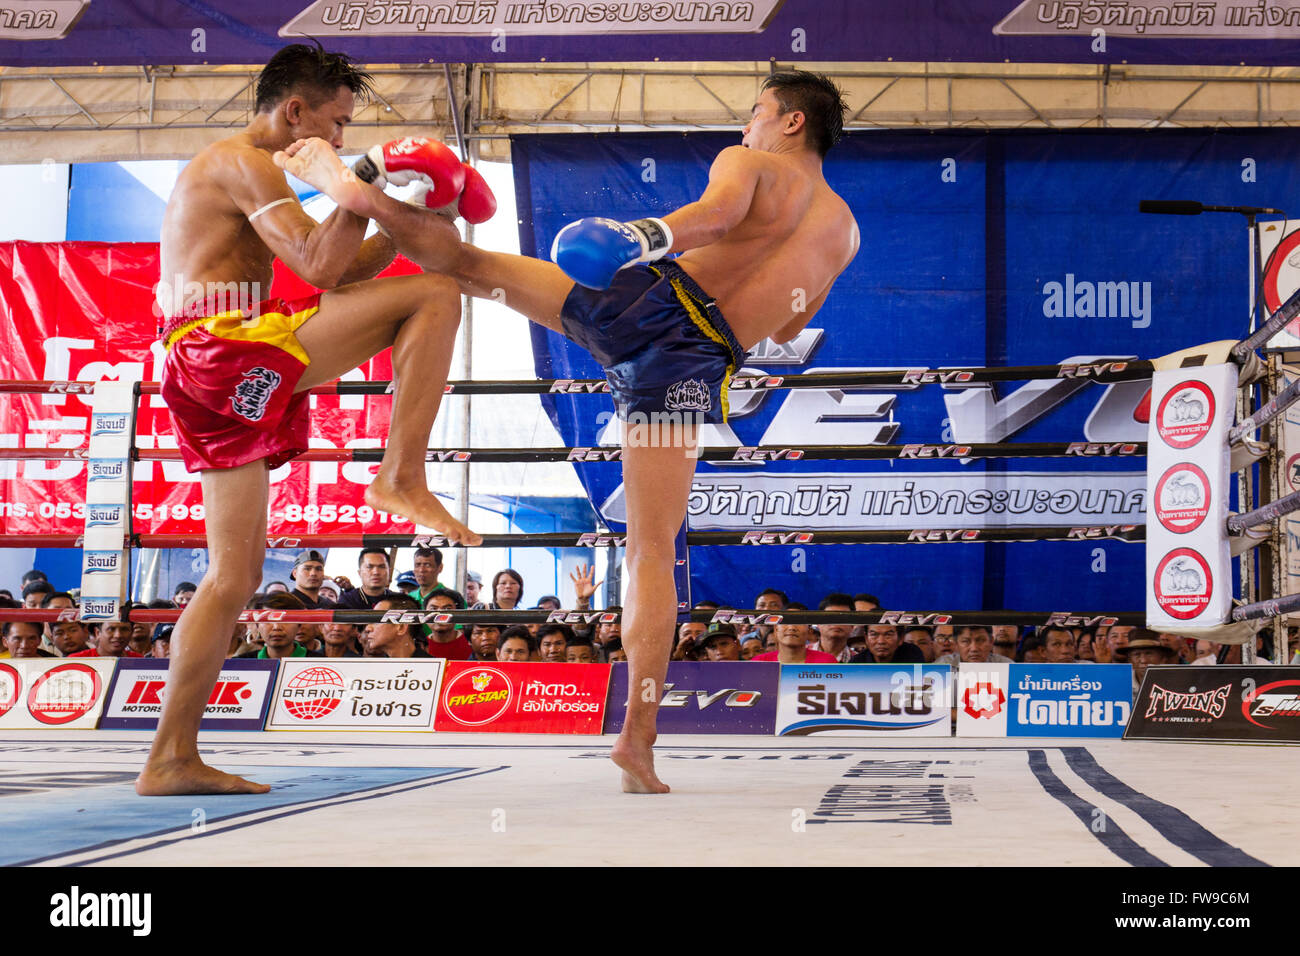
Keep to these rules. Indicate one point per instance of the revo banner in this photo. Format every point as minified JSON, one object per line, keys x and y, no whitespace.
{"x":53,"y":693}
{"x":1252,"y":704}
{"x":523,"y":698}
{"x":239,"y":699}
{"x":865,"y":700}
{"x":323,"y":693}
{"x":704,"y":697}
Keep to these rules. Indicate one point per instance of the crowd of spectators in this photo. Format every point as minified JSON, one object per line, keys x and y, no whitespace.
{"x":601,"y":641}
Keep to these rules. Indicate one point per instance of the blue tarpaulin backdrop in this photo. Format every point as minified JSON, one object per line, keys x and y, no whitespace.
{"x":979,"y":249}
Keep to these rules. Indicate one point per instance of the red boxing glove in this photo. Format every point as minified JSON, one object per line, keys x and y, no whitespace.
{"x":475,"y":204}
{"x":412,"y":159}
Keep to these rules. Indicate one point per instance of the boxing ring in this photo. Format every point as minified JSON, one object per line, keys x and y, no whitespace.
{"x":508,"y":798}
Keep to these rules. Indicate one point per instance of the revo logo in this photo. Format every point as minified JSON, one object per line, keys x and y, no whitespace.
{"x":730,"y":697}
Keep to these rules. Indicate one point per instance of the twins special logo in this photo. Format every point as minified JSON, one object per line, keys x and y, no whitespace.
{"x":253,"y":394}
{"x":1265,"y":701}
{"x":1182,"y":498}
{"x":1212,"y":703}
{"x":691,"y":394}
{"x":476,"y":697}
{"x":1185,"y":414}
{"x":1183,"y":584}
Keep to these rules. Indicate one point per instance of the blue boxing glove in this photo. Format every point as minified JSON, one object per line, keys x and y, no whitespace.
{"x":591,"y":251}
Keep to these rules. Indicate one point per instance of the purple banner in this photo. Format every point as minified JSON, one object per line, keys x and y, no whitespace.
{"x":702,"y":697}
{"x":82,"y":32}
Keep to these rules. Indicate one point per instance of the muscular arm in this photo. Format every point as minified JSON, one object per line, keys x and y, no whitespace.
{"x":733,"y":177}
{"x":320,"y":253}
{"x":376,"y":254}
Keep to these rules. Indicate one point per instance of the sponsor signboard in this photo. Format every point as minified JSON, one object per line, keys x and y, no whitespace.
{"x":1043,"y":700}
{"x":704,"y":697}
{"x":1254,"y":704}
{"x":321,"y":693}
{"x":1189,"y":573}
{"x":523,"y":698}
{"x":239,"y":699}
{"x":865,"y":699}
{"x":53,"y":693}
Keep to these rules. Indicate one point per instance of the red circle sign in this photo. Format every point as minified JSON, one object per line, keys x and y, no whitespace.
{"x":64,"y":693}
{"x":1185,"y":414}
{"x":1182,"y":498}
{"x":477,"y":696}
{"x":11,"y":687}
{"x":1183,"y":583}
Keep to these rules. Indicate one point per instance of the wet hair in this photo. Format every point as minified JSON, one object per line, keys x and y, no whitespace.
{"x":820,"y":101}
{"x":311,"y":72}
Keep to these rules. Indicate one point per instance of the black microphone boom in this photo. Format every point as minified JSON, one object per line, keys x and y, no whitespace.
{"x":1188,"y":207}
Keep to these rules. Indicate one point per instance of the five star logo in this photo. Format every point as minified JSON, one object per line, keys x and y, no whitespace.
{"x":983,"y":700}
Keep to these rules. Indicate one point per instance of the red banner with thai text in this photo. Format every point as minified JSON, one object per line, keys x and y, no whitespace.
{"x":85,"y":311}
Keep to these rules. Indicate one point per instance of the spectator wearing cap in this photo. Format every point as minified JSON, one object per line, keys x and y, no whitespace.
{"x":35,"y":592}
{"x":427,"y":565}
{"x":109,"y":639}
{"x":792,"y":642}
{"x":160,"y":643}
{"x":553,"y":641}
{"x":184,"y":593}
{"x":974,"y":646}
{"x":833,"y":639}
{"x":23,"y":639}
{"x":445,"y":639}
{"x":406,"y":583}
{"x":516,"y":644}
{"x":473,"y":581}
{"x":329,"y":593}
{"x":1142,"y":648}
{"x":921,"y":636}
{"x":308,"y":575}
{"x":375,"y":573}
{"x":580,"y":652}
{"x":750,"y":646}
{"x":484,"y":640}
{"x":720,"y":643}
{"x":386,"y":639}
{"x":885,"y":646}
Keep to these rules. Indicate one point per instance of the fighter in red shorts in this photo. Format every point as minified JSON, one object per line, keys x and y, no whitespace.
{"x":238,"y":366}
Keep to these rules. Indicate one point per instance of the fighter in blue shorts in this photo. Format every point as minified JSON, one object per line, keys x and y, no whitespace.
{"x":762,"y":246}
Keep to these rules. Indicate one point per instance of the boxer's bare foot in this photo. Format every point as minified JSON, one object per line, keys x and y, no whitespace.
{"x":315,"y":163}
{"x":169,"y":777}
{"x":419,"y":505}
{"x":636,"y":760}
